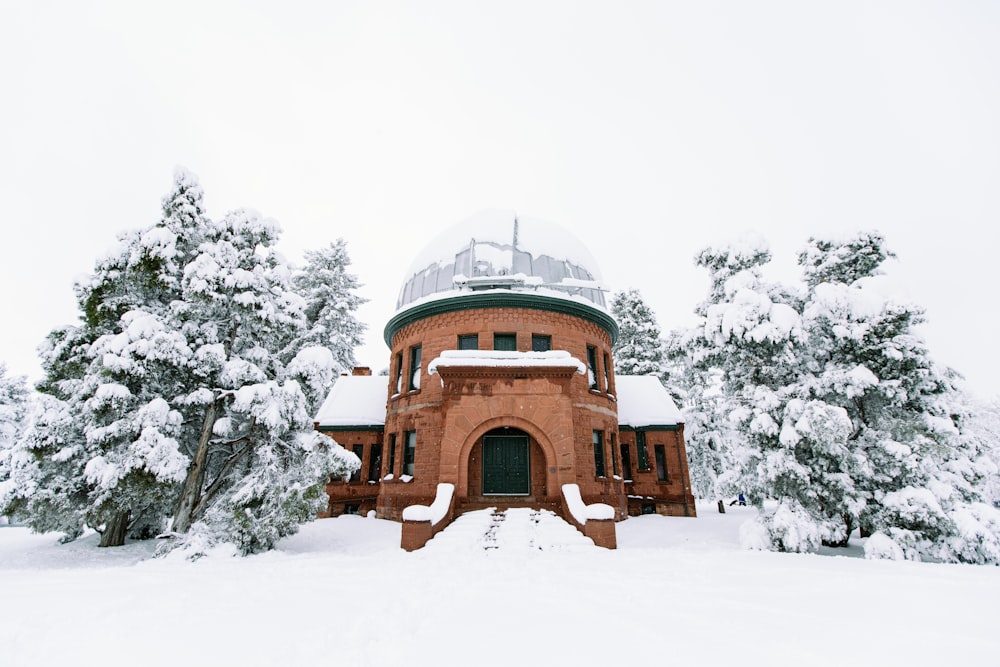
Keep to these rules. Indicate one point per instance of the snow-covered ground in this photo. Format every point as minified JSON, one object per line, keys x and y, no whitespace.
{"x":523,"y":591}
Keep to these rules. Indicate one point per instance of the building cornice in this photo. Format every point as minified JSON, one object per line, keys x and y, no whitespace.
{"x":476,"y":301}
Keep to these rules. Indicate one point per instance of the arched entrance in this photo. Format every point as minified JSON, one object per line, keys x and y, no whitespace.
{"x":506,"y":463}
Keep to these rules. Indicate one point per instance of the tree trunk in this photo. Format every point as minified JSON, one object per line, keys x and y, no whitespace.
{"x":184,"y":516}
{"x":722,"y":507}
{"x":114,"y":531}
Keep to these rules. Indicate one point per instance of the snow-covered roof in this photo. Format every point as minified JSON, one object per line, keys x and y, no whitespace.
{"x":642,"y":401}
{"x":506,"y":359}
{"x":497,"y":249}
{"x":355,"y":400}
{"x":360,"y":400}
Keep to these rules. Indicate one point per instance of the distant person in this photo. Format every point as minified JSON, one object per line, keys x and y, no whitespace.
{"x":741,"y":499}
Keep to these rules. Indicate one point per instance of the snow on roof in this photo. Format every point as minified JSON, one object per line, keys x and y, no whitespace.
{"x":506,"y":359}
{"x":642,"y":401}
{"x":355,"y":400}
{"x":361,"y":400}
{"x":499,"y":244}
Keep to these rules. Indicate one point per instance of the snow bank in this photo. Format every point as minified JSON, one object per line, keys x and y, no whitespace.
{"x":581,"y":512}
{"x":437,"y":510}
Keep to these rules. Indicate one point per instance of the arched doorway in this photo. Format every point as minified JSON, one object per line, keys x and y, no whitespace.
{"x":506,"y":455}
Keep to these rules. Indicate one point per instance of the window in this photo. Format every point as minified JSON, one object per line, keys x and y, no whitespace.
{"x":414,"y":367}
{"x":626,"y":463}
{"x":648,"y":508}
{"x":399,"y":372}
{"x":662,"y":474}
{"x":541,"y":343}
{"x":607,"y":371}
{"x":640,"y":450}
{"x":468,"y":342}
{"x":599,"y":454}
{"x":614,"y":455}
{"x":375,"y":462}
{"x":359,"y":451}
{"x":392,"y":454}
{"x":352,"y":509}
{"x":592,"y":366}
{"x":409,"y":452}
{"x":505,"y":342}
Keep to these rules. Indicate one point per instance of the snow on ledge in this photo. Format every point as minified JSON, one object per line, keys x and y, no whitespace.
{"x":502,"y":359}
{"x":582,"y":513}
{"x":437,"y":510}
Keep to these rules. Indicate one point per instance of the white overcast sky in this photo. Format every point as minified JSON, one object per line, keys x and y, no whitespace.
{"x":648,"y":129}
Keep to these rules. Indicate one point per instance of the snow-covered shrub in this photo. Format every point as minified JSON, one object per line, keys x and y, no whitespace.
{"x":789,"y":528}
{"x":881,"y":546}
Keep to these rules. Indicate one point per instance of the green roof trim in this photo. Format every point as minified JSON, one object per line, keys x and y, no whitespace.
{"x":341,"y":429}
{"x":475,"y":300}
{"x":652,"y":427}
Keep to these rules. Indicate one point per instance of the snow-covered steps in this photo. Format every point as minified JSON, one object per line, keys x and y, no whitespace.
{"x":510,"y":530}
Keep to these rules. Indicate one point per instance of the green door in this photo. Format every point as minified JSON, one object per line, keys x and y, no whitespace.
{"x":506,"y":471}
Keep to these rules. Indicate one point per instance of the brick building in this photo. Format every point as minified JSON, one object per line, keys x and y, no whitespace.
{"x":501,"y":383}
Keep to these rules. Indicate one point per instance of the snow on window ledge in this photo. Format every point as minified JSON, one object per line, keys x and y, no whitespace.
{"x":405,"y":479}
{"x":388,"y":478}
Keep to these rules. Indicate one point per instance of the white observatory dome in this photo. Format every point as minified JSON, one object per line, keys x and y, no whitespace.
{"x":499,"y":250}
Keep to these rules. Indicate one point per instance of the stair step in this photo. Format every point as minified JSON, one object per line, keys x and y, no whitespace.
{"x":510,"y":529}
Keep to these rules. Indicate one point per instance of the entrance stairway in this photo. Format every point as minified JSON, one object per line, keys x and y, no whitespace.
{"x":516,"y":529}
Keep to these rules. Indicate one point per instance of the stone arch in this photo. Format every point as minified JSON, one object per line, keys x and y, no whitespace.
{"x":533,"y":431}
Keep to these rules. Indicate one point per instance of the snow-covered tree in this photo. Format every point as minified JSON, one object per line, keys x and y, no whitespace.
{"x":779,"y":445}
{"x":172,"y":392}
{"x":835,"y":409}
{"x":239,"y":312}
{"x":13,"y":407}
{"x":918,"y":472}
{"x":114,"y":376}
{"x":639,"y":348}
{"x":331,"y":301}
{"x":325,"y":348}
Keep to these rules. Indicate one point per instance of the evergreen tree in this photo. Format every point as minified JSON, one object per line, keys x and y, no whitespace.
{"x":325,"y":348}
{"x":914,"y":465}
{"x":13,"y":408}
{"x":117,"y":440}
{"x":239,"y":313}
{"x":639,"y":348}
{"x":172,"y":394}
{"x":834,"y":408}
{"x":13,"y":405}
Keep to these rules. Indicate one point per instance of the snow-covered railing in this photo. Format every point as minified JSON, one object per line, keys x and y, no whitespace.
{"x":581,"y":512}
{"x":596,"y":521}
{"x":436,"y":511}
{"x":421,"y":522}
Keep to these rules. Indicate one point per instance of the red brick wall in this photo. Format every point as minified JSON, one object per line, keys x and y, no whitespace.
{"x":559,"y":411}
{"x":672,"y":497}
{"x":451,"y":411}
